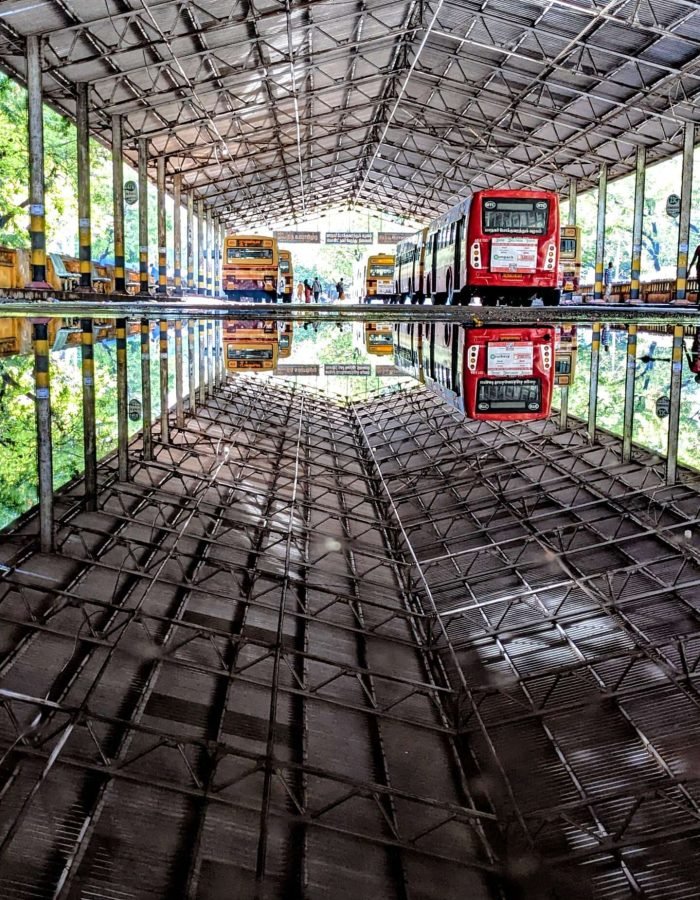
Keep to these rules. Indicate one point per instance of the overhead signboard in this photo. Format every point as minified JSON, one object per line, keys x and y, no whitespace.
{"x":350,"y":237}
{"x":298,"y":237}
{"x":386,"y":371}
{"x":291,"y":369}
{"x":347,"y":369}
{"x":131,"y":192}
{"x":392,"y":237}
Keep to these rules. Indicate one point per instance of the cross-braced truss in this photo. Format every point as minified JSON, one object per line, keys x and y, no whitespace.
{"x":274,"y":110}
{"x":565,"y":588}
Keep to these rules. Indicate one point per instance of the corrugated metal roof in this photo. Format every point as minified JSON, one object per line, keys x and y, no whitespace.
{"x":279,"y":109}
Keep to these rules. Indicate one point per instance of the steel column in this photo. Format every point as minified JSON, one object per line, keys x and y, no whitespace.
{"x":200,"y":247}
{"x":210,"y":358}
{"x":217,"y":354}
{"x":682,"y":273}
{"x":638,"y":221}
{"x":89,"y":425}
{"x":177,"y":233}
{"x":209,"y":254}
{"x":593,"y":381}
{"x":573,"y":197}
{"x":675,"y":404}
{"x":600,"y":232}
{"x":202,"y":363}
{"x":564,"y":408}
{"x":164,"y":417}
{"x":192,"y":397}
{"x":118,"y":204}
{"x":630,"y":374}
{"x":143,"y":216}
{"x":122,"y":403}
{"x":162,"y":248}
{"x":179,"y":402}
{"x":217,"y":258}
{"x":146,"y":389}
{"x":43,"y":435}
{"x":35,"y":119}
{"x":190,"y":241}
{"x":84,"y":237}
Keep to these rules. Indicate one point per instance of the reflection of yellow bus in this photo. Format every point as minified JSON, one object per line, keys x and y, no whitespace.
{"x":570,"y":257}
{"x":379,"y":339}
{"x":287,"y":274}
{"x":286,"y":333}
{"x":378,"y":278}
{"x":250,"y":345}
{"x":565,"y":352}
{"x":250,"y":267}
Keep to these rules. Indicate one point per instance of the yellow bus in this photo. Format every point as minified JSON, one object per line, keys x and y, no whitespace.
{"x":286,"y":334}
{"x":376,"y":339}
{"x":570,"y":258}
{"x":286,"y":275}
{"x":378,"y":277}
{"x":250,"y":267}
{"x":250,"y":345}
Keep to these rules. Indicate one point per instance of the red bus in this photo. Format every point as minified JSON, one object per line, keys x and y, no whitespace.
{"x":498,"y":245}
{"x":410,"y":268}
{"x":509,"y":372}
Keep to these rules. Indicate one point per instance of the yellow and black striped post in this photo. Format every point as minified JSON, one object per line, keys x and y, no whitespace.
{"x":674,"y":415}
{"x":143,"y":217}
{"x":638,"y":222}
{"x":179,"y":401}
{"x":164,"y":417}
{"x":122,"y":403}
{"x":42,"y":390}
{"x":89,"y":434}
{"x":162,"y":248}
{"x":598,"y":289}
{"x":190,"y":242}
{"x":146,"y":389}
{"x":118,"y":204}
{"x":177,"y":234}
{"x":84,"y":230}
{"x":37,"y":212}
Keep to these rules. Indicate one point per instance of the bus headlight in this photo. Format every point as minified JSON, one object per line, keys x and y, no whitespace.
{"x":475,"y":255}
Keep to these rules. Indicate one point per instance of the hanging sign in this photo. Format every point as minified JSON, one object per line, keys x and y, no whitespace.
{"x":392,"y":237}
{"x":298,"y":237}
{"x":663,"y":407}
{"x":131,"y":192}
{"x":347,"y":369}
{"x":386,"y":371}
{"x":291,"y":369}
{"x":349,"y":237}
{"x":134,"y":409}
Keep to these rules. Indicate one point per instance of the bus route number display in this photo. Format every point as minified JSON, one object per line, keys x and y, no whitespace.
{"x":513,"y":255}
{"x":514,"y":358}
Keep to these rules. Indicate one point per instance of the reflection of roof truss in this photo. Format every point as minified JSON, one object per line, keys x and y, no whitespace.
{"x":273,"y":110}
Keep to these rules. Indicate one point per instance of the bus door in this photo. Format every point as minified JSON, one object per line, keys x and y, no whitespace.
{"x":509,"y":372}
{"x":459,"y":238}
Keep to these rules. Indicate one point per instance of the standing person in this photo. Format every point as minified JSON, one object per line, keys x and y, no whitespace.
{"x":608,"y":279}
{"x":316,"y":288}
{"x":307,"y":290}
{"x":695,"y":261}
{"x":300,"y":293}
{"x":340,"y":287}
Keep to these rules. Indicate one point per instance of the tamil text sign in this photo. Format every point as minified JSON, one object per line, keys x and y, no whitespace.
{"x":349,"y":237}
{"x":392,"y":237}
{"x":298,"y":237}
{"x":292,"y":369}
{"x":347,"y":369}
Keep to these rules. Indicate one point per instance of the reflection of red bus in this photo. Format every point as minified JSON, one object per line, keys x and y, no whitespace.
{"x":508,"y":372}
{"x":498,"y":245}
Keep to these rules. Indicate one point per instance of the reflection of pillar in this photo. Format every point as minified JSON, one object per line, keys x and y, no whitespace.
{"x":600,"y":232}
{"x":217,"y":258}
{"x":674,"y":416}
{"x":146,"y":388}
{"x":42,"y":404}
{"x":209,"y":253}
{"x":630,"y":374}
{"x":162,"y":248}
{"x":684,"y":224}
{"x":84,"y":236}
{"x":638,"y":221}
{"x":202,"y":362}
{"x":573,"y":196}
{"x":593,"y":381}
{"x":118,"y":204}
{"x":37,"y":213}
{"x":164,"y":418}
{"x":122,"y":403}
{"x":89,"y":426}
{"x":179,"y":402}
{"x":177,"y":233}
{"x":191,"y":369}
{"x":200,"y":247}
{"x":190,"y":241}
{"x":143,"y":219}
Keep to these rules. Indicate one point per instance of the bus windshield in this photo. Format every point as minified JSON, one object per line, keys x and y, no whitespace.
{"x":515,"y":216}
{"x":509,"y":395}
{"x":243,"y":353}
{"x":377,"y":270}
{"x":233,"y":253}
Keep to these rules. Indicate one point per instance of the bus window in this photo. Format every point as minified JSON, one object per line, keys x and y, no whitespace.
{"x":515,"y":216}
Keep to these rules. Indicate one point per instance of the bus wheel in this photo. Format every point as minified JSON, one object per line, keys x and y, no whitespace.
{"x":551,"y":297}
